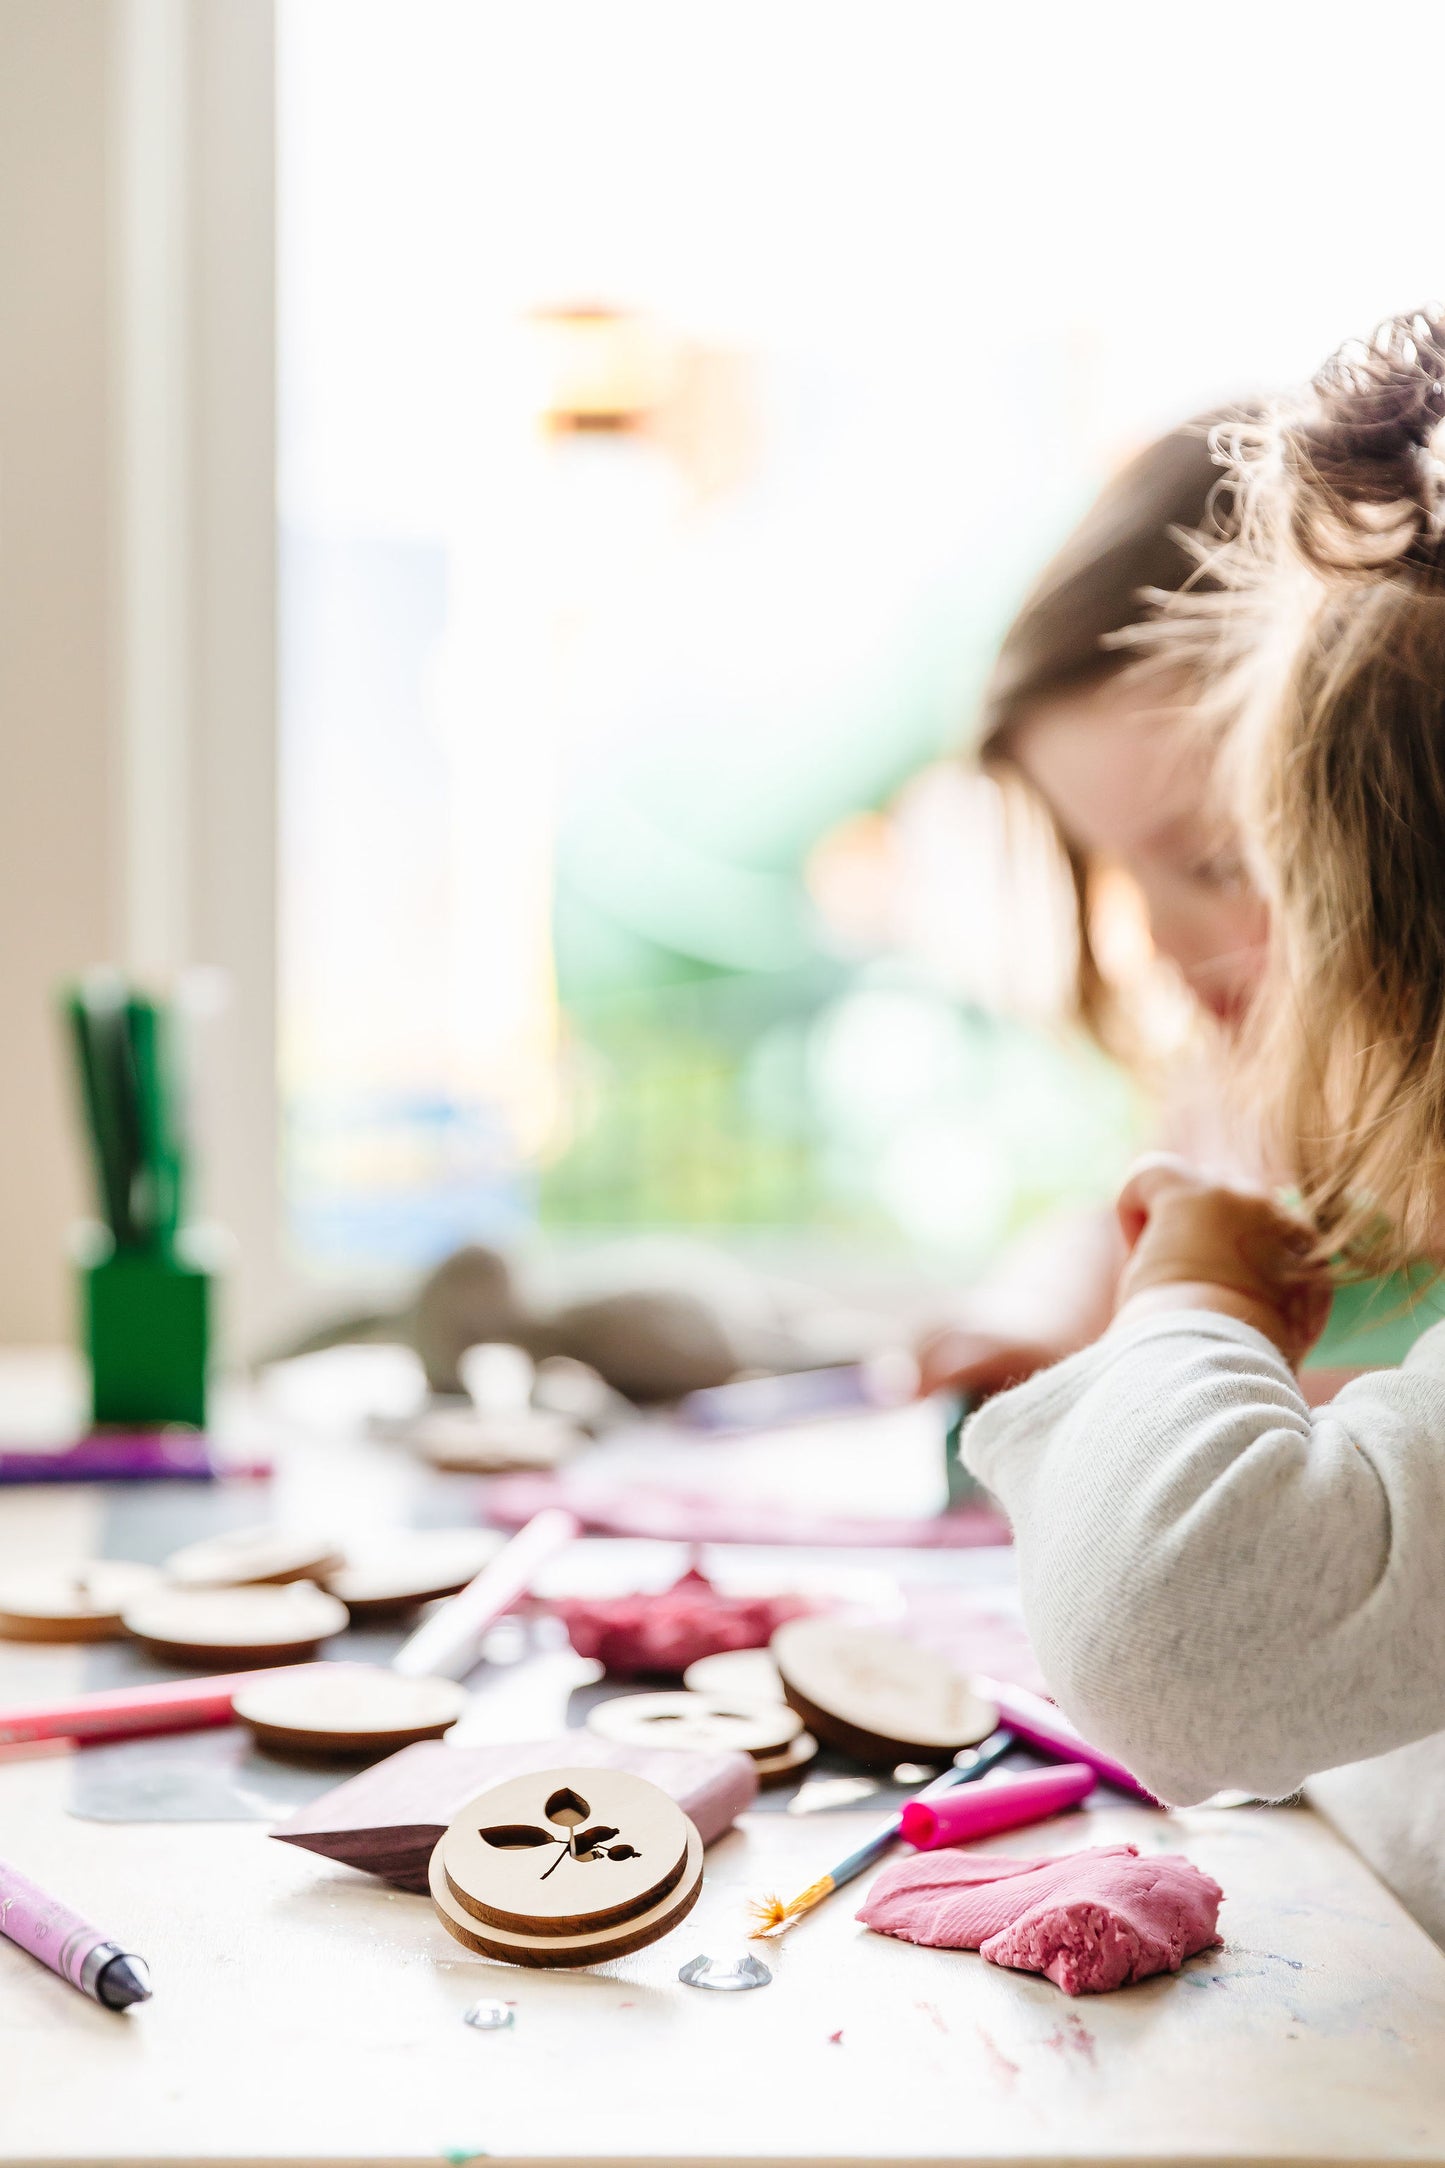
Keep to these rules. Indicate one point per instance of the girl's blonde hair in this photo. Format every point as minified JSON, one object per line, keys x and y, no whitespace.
{"x":1327,"y":652}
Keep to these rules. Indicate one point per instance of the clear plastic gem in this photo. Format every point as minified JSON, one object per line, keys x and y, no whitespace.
{"x":489,"y":2016}
{"x":729,"y":1975}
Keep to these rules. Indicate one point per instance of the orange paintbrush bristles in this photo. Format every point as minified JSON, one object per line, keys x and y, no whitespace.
{"x":772,"y":1914}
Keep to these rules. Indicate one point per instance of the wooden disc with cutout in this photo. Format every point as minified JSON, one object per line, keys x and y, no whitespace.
{"x":348,"y":1709}
{"x":83,"y":1602}
{"x":876,"y":1696}
{"x":412,"y":1569}
{"x":252,"y":1555}
{"x":704,"y":1723}
{"x":232,"y":1628}
{"x":566,"y":1867}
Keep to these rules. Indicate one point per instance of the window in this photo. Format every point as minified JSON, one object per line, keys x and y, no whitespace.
{"x":674,"y":402}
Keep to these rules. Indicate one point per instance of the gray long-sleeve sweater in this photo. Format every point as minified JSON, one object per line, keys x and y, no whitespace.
{"x":1228,"y":1589}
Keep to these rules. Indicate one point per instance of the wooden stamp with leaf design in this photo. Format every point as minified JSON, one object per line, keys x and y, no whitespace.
{"x":566,"y":1867}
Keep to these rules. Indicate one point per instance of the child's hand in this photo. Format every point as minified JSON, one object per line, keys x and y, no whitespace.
{"x":959,"y":1359}
{"x":1200,"y":1244}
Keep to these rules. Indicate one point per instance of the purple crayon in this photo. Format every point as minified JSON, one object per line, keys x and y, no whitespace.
{"x":66,"y":1943}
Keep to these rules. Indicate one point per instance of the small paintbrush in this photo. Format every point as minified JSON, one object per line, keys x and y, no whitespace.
{"x":772,"y":1915}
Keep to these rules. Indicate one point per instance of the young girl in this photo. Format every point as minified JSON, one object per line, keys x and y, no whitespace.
{"x":1116,"y":761}
{"x":1110,"y":757}
{"x":1224,"y":1588}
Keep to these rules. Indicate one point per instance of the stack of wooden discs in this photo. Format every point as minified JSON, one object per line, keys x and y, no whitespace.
{"x":875,"y":1696}
{"x":710,"y":1723}
{"x":249,"y":1597}
{"x":411,"y":1569}
{"x":471,"y":1441}
{"x":359,"y":1711}
{"x":83,"y":1602}
{"x":566,"y":1867}
{"x":249,"y":1557}
{"x":232,"y":1628}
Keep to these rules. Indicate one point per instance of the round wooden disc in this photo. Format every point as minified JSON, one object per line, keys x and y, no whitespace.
{"x":877,"y":1697}
{"x":413,"y":1569}
{"x":750,"y":1672}
{"x":777,"y":1768}
{"x":233,"y":1627}
{"x":348,"y":1709}
{"x":473,"y":1443}
{"x":564,"y":1852}
{"x":83,"y":1602}
{"x":250,"y":1555}
{"x":592,"y":1947}
{"x":704,"y":1723}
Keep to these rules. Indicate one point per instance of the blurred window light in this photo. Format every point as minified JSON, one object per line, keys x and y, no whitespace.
{"x":674,"y":403}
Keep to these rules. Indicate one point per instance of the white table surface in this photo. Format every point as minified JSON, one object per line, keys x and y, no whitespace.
{"x":305,"y":2013}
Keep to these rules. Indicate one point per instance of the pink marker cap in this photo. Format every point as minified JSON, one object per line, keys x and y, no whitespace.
{"x":977,"y":1810}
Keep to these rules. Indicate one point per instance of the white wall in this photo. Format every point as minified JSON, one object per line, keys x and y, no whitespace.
{"x":58,"y":878}
{"x":137,"y":642}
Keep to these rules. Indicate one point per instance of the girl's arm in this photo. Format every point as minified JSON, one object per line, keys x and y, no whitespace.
{"x":1052,"y":1292}
{"x":1224,"y":1587}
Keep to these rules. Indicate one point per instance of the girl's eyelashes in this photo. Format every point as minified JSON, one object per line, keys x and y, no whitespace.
{"x":1223,"y":870}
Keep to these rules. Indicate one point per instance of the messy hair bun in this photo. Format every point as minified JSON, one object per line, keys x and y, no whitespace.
{"x":1324,"y":653}
{"x":1361,"y":490}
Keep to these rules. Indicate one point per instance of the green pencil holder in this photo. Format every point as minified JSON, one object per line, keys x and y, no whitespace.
{"x":147,"y":1330}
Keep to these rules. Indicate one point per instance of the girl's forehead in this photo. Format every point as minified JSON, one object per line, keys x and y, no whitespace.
{"x":1119,"y":764}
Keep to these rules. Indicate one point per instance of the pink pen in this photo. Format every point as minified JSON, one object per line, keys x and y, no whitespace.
{"x":977,"y":1810}
{"x":1038,"y":1723}
{"x":66,"y":1943}
{"x":114,"y":1712}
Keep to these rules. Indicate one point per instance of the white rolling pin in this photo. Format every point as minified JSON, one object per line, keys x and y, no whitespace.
{"x":449,"y":1644}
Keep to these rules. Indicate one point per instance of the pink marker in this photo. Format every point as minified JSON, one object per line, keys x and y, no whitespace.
{"x":66,"y":1943}
{"x":1038,"y":1723}
{"x":115,"y":1712}
{"x":977,"y":1810}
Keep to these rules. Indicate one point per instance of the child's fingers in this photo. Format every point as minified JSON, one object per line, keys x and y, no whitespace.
{"x":962,"y":1360}
{"x":1155,"y":1176}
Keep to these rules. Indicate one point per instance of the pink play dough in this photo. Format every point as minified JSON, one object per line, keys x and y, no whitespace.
{"x":665,"y":1630}
{"x":1088,"y":1921}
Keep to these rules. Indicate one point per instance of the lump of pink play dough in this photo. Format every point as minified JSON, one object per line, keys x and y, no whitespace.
{"x":1088,"y":1921}
{"x":666,"y":1630}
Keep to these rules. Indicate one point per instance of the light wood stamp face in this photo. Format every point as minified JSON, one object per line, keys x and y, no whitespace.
{"x":705,"y":1723}
{"x":875,"y":1696}
{"x":566,"y":1867}
{"x":750,"y":1672}
{"x":83,"y":1602}
{"x":348,"y":1709}
{"x":233,"y":1627}
{"x":250,"y":1555}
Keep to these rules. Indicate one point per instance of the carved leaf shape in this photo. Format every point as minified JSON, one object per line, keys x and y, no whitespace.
{"x":516,"y":1836}
{"x":566,"y":1809}
{"x":587,"y":1841}
{"x":623,"y":1851}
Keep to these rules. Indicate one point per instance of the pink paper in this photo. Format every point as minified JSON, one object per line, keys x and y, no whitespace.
{"x":666,"y":1630}
{"x":683,"y":1516}
{"x":977,"y":1629}
{"x":1089,"y":1921}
